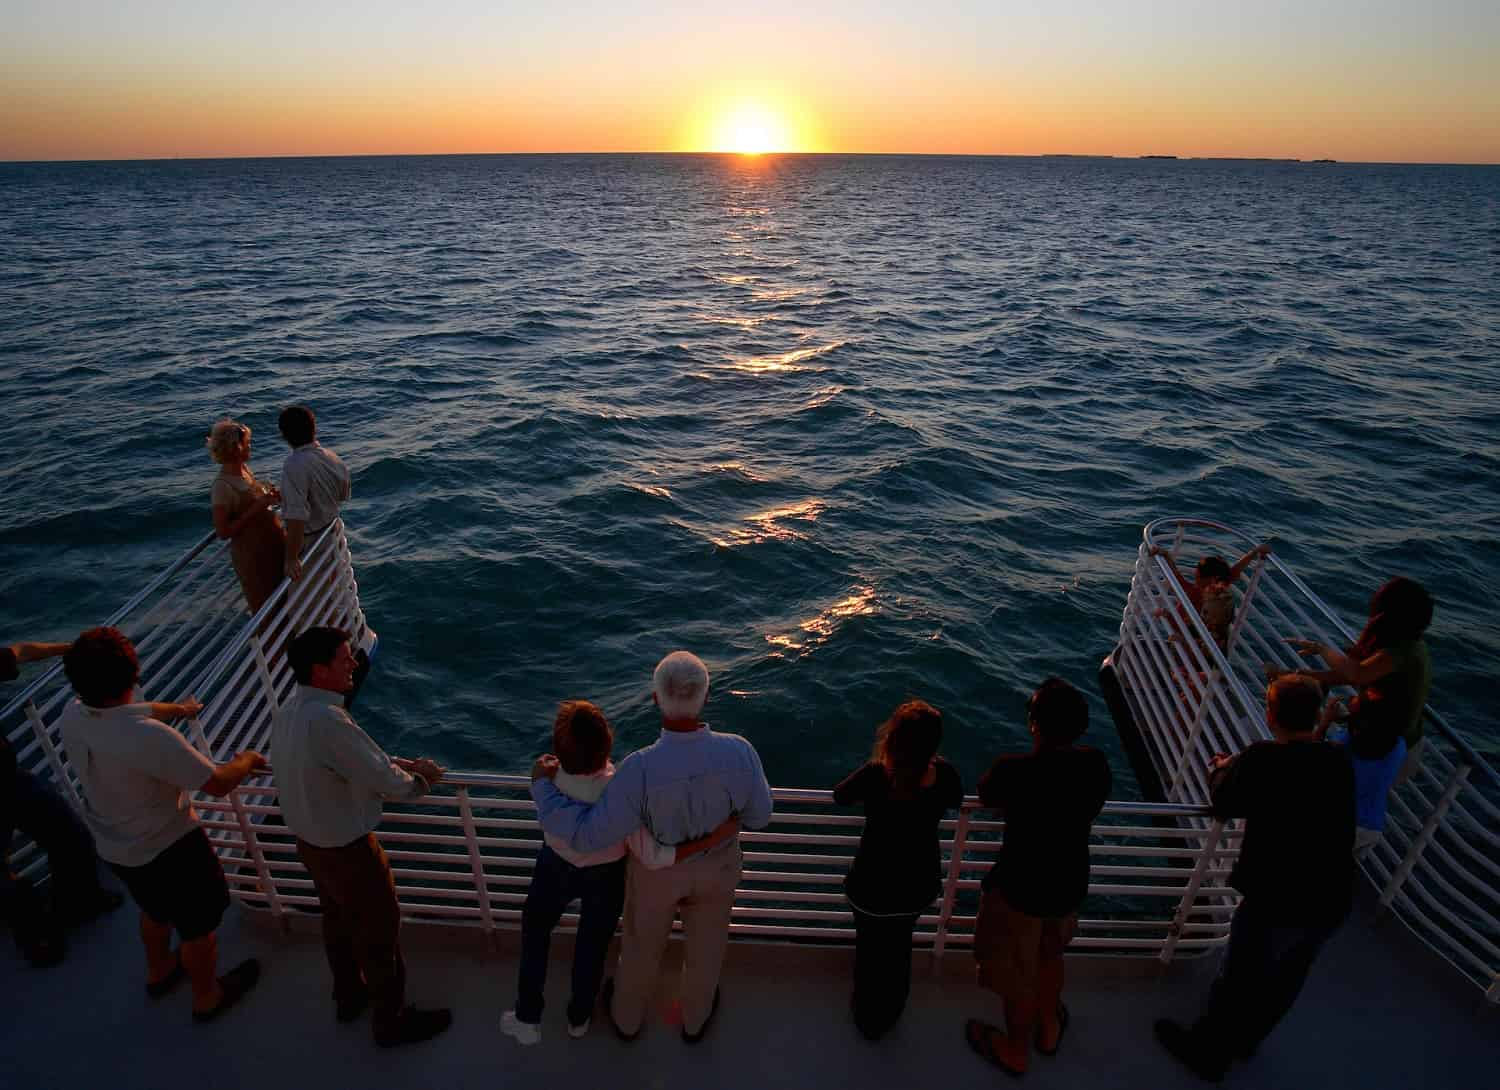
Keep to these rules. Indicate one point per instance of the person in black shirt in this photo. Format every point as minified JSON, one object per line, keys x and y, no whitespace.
{"x":1295,"y":872}
{"x":905,"y":788}
{"x":1028,"y":912}
{"x":29,"y":803}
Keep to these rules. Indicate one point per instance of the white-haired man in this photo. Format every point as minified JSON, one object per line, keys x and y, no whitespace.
{"x":680,"y":788}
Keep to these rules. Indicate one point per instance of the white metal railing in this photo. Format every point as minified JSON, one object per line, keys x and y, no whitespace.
{"x":1437,"y":867}
{"x":194,"y":637}
{"x":464,"y":855}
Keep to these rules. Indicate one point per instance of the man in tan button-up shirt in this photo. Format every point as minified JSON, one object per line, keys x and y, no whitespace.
{"x":331,"y":779}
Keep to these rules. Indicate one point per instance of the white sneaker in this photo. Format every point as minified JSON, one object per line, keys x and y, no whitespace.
{"x":578,"y":1031}
{"x":524,"y":1032}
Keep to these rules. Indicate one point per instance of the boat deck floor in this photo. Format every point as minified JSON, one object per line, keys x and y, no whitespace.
{"x":1379,"y":1011}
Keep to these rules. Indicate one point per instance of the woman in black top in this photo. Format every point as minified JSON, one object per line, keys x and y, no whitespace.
{"x":905,"y":789}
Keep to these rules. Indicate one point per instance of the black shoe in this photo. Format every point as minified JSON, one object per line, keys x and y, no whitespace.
{"x":694,"y":1038}
{"x":351,"y":1007}
{"x":1183,"y":1044}
{"x":607,"y":1001}
{"x":233,"y":984}
{"x":415,"y":1025}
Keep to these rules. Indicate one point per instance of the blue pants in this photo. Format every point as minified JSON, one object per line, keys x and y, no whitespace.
{"x":554,"y":884}
{"x":1262,"y":973}
{"x":34,"y":806}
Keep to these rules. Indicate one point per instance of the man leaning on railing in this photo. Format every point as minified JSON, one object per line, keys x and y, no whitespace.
{"x":1295,"y":871}
{"x":136,"y":773}
{"x":331,"y":779}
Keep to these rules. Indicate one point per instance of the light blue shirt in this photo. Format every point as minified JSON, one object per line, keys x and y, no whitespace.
{"x":680,"y":787}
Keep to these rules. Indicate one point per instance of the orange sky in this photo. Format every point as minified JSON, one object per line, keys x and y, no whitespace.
{"x":1350,"y":80}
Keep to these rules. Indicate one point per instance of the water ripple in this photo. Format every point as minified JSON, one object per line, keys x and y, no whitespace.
{"x":856,"y":429}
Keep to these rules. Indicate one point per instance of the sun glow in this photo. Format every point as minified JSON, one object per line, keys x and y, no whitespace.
{"x":751,"y":129}
{"x":749,"y":122}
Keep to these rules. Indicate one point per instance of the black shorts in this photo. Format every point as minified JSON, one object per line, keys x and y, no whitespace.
{"x":183,"y":887}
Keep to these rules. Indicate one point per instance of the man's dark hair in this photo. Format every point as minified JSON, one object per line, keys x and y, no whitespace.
{"x":1214,"y":567}
{"x":298,"y":425}
{"x":1059,"y":711}
{"x":581,"y":737}
{"x":315,"y":647}
{"x":1294,"y":703}
{"x":101,"y":666}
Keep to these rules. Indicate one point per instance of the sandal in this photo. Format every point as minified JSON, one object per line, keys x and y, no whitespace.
{"x":1062,"y":1027}
{"x":981,"y":1037}
{"x":234,"y":984}
{"x":158,"y":988}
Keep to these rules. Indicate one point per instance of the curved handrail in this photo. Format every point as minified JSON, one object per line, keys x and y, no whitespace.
{"x":1469,"y":754}
{"x":19,"y":701}
{"x":226,"y":657}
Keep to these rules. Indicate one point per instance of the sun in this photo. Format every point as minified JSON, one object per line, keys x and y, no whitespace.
{"x":751,"y":128}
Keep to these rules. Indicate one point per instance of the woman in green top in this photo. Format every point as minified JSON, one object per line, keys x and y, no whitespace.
{"x":1389,"y":657}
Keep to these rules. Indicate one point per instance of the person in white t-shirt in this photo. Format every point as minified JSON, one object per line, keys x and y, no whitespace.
{"x":136,"y":773}
{"x":582,"y":739}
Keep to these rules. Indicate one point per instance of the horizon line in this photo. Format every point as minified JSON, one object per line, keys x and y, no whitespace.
{"x":1153,"y":156}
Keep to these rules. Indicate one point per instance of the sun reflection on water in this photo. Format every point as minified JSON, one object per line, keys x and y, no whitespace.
{"x":783,"y":361}
{"x":770,"y":525}
{"x":820,"y":627}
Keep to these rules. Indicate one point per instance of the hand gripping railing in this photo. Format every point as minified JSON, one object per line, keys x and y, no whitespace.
{"x":1438,"y":865}
{"x":464,"y":855}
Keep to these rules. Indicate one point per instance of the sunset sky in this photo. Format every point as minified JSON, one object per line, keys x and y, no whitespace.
{"x":1373,"y":80}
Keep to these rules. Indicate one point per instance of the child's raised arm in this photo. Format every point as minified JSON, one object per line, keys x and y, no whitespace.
{"x":1263,"y":549}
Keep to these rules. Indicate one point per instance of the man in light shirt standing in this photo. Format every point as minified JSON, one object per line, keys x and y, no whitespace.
{"x":680,"y":788}
{"x":314,"y":483}
{"x":135,"y":772}
{"x":331,"y":779}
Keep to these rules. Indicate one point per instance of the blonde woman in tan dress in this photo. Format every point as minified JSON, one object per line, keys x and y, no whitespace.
{"x":242,"y":514}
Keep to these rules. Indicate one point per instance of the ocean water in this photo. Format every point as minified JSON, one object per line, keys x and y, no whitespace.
{"x":852,"y":428}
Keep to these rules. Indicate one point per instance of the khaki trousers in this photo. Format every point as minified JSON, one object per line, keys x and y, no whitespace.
{"x":701,"y":889}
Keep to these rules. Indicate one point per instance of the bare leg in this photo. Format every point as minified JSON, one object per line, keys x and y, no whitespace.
{"x":157,"y":939}
{"x":200,"y":958}
{"x":1049,"y":986}
{"x":1020,"y":1023}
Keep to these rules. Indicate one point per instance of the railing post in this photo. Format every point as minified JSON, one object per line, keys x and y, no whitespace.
{"x":1244,"y":611}
{"x":950,"y":884}
{"x":1424,"y":836}
{"x":257,"y":857}
{"x":54,"y":759}
{"x":476,"y":861}
{"x":1209,"y":687}
{"x":1189,"y":895}
{"x":263,"y":667}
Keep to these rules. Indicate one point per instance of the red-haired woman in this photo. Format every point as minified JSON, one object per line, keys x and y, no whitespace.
{"x":905,"y":789}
